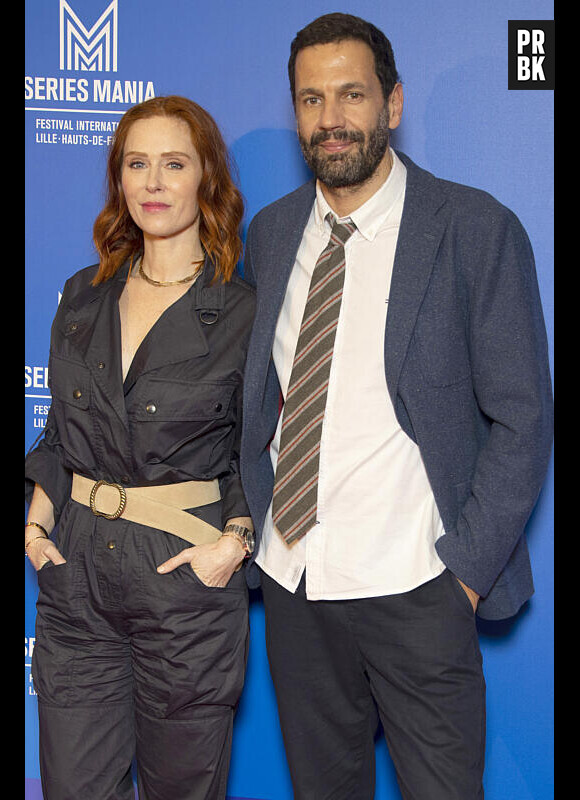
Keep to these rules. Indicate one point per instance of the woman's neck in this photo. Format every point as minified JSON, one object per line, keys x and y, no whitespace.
{"x":171,"y":259}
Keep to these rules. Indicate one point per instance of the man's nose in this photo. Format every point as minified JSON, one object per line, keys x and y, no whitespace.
{"x":331,"y":115}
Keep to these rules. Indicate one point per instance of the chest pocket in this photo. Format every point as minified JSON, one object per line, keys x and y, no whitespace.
{"x":70,"y":382}
{"x":164,"y":400}
{"x":181,"y":423}
{"x":70,"y":385}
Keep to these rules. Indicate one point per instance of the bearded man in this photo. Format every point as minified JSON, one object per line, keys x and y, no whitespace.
{"x":399,"y":328}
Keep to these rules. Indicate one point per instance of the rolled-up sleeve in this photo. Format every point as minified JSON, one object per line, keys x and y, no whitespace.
{"x":233,"y":497}
{"x":44,"y":466}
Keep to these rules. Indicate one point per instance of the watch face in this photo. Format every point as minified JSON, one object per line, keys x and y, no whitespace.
{"x":250,"y":541}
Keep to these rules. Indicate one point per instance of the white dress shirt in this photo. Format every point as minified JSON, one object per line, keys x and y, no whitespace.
{"x":377,"y":520}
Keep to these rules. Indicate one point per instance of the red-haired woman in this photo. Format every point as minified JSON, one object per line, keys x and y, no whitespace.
{"x":142,"y":610}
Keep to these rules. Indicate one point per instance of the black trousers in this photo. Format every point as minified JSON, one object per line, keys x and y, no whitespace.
{"x":130,"y":662}
{"x":414,"y":657}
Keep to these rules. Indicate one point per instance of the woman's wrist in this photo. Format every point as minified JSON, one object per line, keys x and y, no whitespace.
{"x":34,"y":534}
{"x":241,"y":528}
{"x":233,"y":544}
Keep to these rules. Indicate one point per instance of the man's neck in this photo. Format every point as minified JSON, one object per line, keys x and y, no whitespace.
{"x":343,"y":201}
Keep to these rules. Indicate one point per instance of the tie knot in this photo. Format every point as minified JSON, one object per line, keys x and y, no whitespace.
{"x":341,"y":231}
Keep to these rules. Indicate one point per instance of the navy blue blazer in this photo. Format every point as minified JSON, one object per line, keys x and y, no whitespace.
{"x":466,"y":367}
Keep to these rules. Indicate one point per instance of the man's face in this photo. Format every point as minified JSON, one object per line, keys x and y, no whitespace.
{"x":342,"y":117}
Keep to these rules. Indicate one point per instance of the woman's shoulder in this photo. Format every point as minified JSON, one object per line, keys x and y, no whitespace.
{"x":240,"y":296}
{"x":79,"y":281}
{"x":241,"y":285}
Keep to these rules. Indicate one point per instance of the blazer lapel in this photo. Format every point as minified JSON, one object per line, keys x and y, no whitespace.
{"x":422,"y":227}
{"x":277,"y":261}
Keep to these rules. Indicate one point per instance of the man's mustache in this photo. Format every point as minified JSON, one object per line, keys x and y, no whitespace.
{"x":340,"y":136}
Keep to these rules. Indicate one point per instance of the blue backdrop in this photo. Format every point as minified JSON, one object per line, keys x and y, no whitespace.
{"x":87,"y":61}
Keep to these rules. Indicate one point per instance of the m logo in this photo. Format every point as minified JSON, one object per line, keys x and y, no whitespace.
{"x":88,"y":50}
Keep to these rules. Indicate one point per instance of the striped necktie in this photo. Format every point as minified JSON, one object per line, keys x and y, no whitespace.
{"x":296,"y":483}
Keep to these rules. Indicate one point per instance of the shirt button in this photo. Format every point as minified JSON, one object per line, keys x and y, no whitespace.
{"x":111,"y":545}
{"x":77,"y":394}
{"x":101,"y":365}
{"x":151,"y":408}
{"x":218,"y":406}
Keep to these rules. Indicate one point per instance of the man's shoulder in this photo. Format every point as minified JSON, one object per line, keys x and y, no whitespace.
{"x":477,"y":221}
{"x":292,"y":205}
{"x":465,"y":201}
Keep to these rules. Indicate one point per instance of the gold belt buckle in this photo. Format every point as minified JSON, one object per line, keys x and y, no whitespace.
{"x":122,"y":500}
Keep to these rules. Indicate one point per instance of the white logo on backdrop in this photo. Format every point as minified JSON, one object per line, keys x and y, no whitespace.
{"x":92,"y":50}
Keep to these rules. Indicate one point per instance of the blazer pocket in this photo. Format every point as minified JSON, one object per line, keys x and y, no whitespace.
{"x":443,"y":354}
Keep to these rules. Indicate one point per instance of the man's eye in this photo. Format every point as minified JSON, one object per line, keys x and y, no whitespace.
{"x":312,"y":101}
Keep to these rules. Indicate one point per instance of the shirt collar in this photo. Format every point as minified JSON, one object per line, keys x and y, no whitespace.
{"x":369,"y":217}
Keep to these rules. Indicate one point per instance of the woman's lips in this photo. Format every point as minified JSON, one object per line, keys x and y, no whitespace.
{"x":152,"y":207}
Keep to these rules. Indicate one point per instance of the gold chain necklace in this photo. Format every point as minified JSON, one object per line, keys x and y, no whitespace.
{"x":170,"y":283}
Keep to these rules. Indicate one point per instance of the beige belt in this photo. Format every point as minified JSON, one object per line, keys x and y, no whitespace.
{"x":158,"y":507}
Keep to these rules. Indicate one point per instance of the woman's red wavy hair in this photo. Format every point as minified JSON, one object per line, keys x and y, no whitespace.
{"x":118,"y":238}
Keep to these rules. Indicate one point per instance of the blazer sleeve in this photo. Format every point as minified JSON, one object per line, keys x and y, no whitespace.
{"x":512,"y":386}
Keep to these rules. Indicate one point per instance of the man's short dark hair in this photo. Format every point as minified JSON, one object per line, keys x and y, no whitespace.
{"x":336,"y":28}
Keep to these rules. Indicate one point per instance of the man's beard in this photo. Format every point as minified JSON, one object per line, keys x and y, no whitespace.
{"x":339,"y":170}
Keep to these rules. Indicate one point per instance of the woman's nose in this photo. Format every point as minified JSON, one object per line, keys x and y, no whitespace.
{"x":154,"y":179}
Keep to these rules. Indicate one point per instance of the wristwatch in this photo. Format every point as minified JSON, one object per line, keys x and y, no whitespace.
{"x":244,"y":536}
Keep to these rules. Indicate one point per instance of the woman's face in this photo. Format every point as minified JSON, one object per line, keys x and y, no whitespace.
{"x":160,"y":177}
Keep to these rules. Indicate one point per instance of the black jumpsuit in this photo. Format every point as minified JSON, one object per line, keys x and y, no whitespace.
{"x":128,"y":661}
